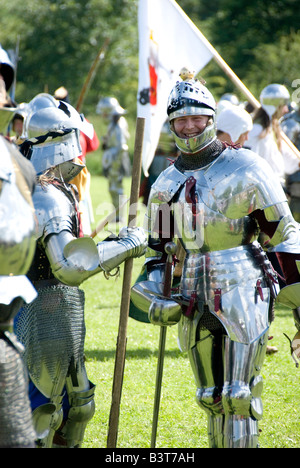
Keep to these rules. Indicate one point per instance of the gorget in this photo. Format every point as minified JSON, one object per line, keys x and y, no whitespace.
{"x":188,"y":162}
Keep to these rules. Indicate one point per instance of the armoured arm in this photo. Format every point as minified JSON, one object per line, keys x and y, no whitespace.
{"x":284,"y":239}
{"x":148,"y":295}
{"x":75,"y":260}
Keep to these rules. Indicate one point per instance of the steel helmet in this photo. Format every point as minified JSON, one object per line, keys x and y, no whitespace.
{"x":109,"y":106}
{"x":36,"y":122}
{"x":6,"y":115}
{"x":232,"y":98}
{"x":274,"y":96}
{"x":52,"y":129}
{"x":190,"y":97}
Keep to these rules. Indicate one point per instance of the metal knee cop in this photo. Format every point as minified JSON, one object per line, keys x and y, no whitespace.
{"x":81,"y":411}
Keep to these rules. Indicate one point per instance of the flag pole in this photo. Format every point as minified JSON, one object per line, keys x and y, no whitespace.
{"x":233,"y":77}
{"x":255,"y":103}
{"x":125,"y":299}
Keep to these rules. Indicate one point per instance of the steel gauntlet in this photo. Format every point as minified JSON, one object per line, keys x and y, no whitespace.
{"x":131,"y":242}
{"x":149,"y":297}
{"x":164,"y":312}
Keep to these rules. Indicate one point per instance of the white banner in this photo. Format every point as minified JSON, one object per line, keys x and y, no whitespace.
{"x":168,"y":41}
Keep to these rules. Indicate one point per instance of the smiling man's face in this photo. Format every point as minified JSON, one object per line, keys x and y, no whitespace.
{"x":189,"y":126}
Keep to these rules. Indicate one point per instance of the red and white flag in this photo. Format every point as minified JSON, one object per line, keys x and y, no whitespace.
{"x":168,"y":41}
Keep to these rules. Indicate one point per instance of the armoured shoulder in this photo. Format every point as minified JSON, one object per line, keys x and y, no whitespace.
{"x":291,"y":127}
{"x":291,"y":116}
{"x":53,"y":210}
{"x":167,"y":185}
{"x":241,"y":182}
{"x":17,"y":226}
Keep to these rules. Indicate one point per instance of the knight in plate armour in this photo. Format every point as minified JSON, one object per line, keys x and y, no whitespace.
{"x":115,"y":158}
{"x":17,"y":246}
{"x":216,"y":199}
{"x":52,"y":327}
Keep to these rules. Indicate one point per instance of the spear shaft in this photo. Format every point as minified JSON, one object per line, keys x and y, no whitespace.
{"x":125,"y":299}
{"x":91,"y":75}
{"x":170,"y":249}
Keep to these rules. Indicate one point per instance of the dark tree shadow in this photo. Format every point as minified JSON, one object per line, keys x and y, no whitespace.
{"x":140,"y":353}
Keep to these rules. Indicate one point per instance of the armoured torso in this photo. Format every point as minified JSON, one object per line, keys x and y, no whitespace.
{"x":17,"y":229}
{"x":211,"y":208}
{"x":17,"y":226}
{"x":218,"y":199}
{"x":55,"y":211}
{"x":117,"y":135}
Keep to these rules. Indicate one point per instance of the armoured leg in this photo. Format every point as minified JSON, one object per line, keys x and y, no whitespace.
{"x":207,"y":365}
{"x":80,"y":393}
{"x":48,"y":417}
{"x":115,"y":184}
{"x":229,"y":387}
{"x":241,"y":396}
{"x":52,"y":329}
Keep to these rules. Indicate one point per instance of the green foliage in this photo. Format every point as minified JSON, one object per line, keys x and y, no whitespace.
{"x":60,"y":39}
{"x":277,"y":63}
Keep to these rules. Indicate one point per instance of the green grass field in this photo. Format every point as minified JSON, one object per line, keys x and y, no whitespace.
{"x":182,"y":424}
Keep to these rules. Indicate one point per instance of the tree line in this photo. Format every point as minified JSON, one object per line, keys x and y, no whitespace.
{"x":59,"y":40}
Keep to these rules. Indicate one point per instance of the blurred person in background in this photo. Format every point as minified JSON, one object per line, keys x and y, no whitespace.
{"x":7,"y":105}
{"x":115,"y":158}
{"x":233,"y":125}
{"x":265,"y":138}
{"x":290,"y":124}
{"x":7,"y":72}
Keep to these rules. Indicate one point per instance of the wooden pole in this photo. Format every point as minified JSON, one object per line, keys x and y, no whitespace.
{"x":125,"y":299}
{"x":255,"y":103}
{"x":158,"y":383}
{"x":233,"y":77}
{"x":91,"y":75}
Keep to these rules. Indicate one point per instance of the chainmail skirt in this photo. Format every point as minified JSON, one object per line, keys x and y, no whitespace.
{"x":52,"y":330}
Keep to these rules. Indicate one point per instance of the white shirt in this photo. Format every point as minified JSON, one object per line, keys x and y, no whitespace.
{"x":283,"y":162}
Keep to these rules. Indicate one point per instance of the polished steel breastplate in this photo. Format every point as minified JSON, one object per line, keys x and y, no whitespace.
{"x":201,"y":225}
